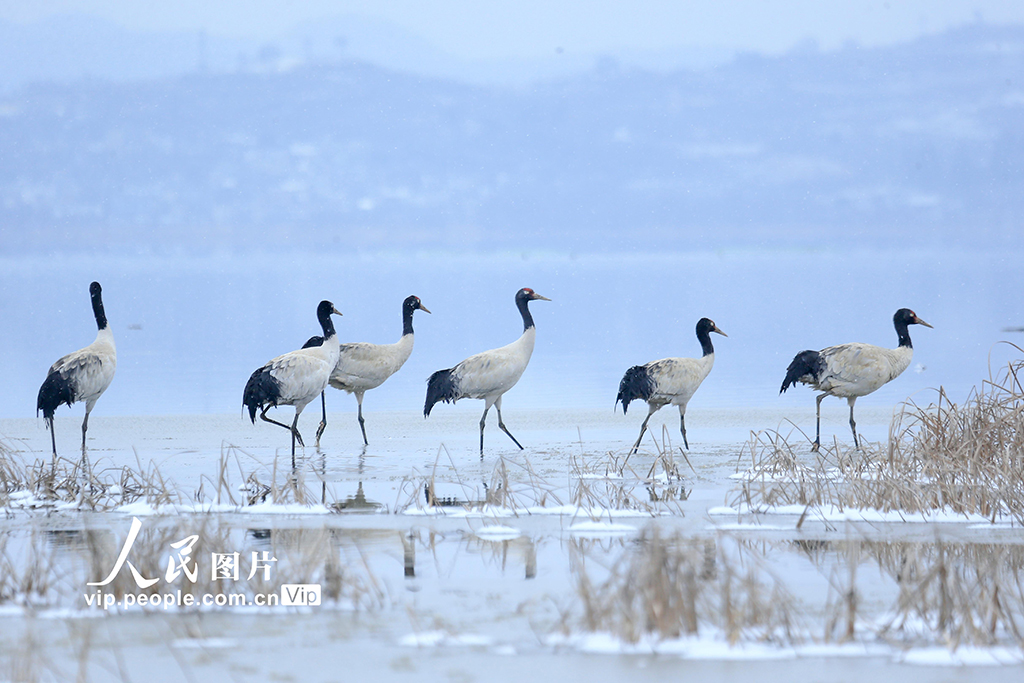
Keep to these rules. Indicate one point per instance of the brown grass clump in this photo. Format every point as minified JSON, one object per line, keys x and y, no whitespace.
{"x":948,"y":593}
{"x":959,"y":593}
{"x":85,"y":485}
{"x":513,"y":486}
{"x":968,"y":459}
{"x":971,"y":456}
{"x":81,"y":483}
{"x":282,"y":486}
{"x":678,"y":586}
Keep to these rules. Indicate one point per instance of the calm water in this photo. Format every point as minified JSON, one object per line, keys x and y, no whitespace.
{"x":189,"y":331}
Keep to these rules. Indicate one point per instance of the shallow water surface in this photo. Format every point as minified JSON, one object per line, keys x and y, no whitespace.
{"x":459,"y":590}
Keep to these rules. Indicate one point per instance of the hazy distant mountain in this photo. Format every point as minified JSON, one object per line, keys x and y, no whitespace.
{"x":915,"y":144}
{"x":69,"y":47}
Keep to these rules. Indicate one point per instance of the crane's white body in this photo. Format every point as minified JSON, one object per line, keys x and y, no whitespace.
{"x":90,"y":370}
{"x":676,"y":380}
{"x":853,"y":370}
{"x":363,"y":366}
{"x":81,"y":376}
{"x":490,"y":374}
{"x":669,"y":381}
{"x":294,"y":378}
{"x":856,"y":369}
{"x":303,"y":374}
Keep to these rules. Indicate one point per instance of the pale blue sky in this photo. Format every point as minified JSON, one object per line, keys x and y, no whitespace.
{"x":479,"y":30}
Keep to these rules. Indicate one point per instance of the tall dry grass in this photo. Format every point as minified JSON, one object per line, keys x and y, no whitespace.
{"x":676,"y":586}
{"x":955,"y":593}
{"x":83,"y":484}
{"x":96,"y":486}
{"x":966,"y":459}
{"x":597,"y":485}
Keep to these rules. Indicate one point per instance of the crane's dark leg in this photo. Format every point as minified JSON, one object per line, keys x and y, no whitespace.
{"x":483,"y":420}
{"x":853,"y":425}
{"x":682,"y":426}
{"x":501,"y":425}
{"x":296,"y":435}
{"x":293,"y":450}
{"x":85,"y":424}
{"x":293,"y":429}
{"x":323,"y":420}
{"x":643,"y":428}
{"x":85,"y":428}
{"x":817,"y":428}
{"x":263,"y":416}
{"x":53,"y":438}
{"x":359,"y":402}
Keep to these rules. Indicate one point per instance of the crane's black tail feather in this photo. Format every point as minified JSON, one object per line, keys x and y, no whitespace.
{"x":260,"y":390}
{"x":806,"y":367}
{"x":315,"y":340}
{"x":636,"y":384}
{"x":442,"y":386}
{"x":55,"y":390}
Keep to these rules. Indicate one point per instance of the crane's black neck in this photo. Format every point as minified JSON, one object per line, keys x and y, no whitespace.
{"x":704,"y":337}
{"x":903,"y":333}
{"x":523,"y":304}
{"x":97,"y":306}
{"x":407,"y":309}
{"x":326,"y":324}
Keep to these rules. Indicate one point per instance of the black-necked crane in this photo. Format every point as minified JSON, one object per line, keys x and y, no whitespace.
{"x":853,"y":370}
{"x":363,"y":366}
{"x":669,"y":381}
{"x":490,"y":374}
{"x":294,"y":379}
{"x":80,"y":376}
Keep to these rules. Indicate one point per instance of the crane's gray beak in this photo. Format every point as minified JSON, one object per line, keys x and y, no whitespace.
{"x":719,"y":331}
{"x":423,"y":308}
{"x":921,"y":322}
{"x":538,"y":296}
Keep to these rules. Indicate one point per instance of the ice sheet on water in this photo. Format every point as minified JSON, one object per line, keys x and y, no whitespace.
{"x":599,"y":529}
{"x":697,"y":647}
{"x":831,"y":513}
{"x":492,"y":532}
{"x":963,"y":656}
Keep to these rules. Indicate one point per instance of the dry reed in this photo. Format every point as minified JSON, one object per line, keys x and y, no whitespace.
{"x":676,"y":586}
{"x":965,"y":459}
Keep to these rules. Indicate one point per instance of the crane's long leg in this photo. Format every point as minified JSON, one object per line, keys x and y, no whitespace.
{"x":263,"y":416}
{"x":853,"y":425}
{"x":85,"y":428}
{"x":296,"y":435}
{"x":483,"y":420}
{"x":53,"y":437}
{"x":643,"y":428}
{"x":359,"y":401}
{"x":817,"y":428}
{"x":293,"y":429}
{"x":85,"y":423}
{"x":497,"y":404}
{"x":323,"y":420}
{"x":682,"y":425}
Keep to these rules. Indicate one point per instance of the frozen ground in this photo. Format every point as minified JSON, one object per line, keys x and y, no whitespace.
{"x":445,"y":595}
